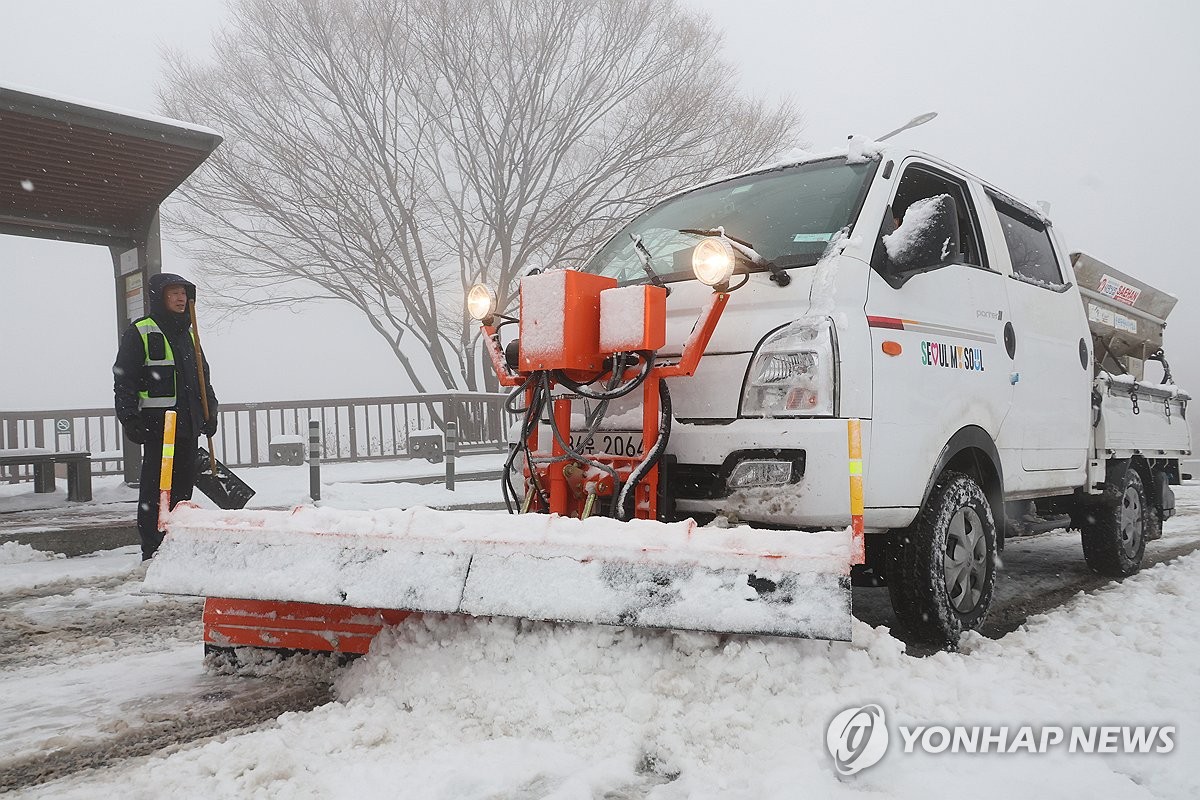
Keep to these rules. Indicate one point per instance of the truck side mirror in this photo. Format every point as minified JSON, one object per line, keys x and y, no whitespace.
{"x":927,"y":238}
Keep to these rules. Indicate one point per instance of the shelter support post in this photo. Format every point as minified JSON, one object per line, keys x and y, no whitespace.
{"x":132,"y":268}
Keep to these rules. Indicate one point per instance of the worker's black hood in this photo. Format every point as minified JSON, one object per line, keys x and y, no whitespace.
{"x":155,"y":288}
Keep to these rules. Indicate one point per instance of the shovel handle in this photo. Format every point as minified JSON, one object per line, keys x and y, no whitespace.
{"x":212,"y":456}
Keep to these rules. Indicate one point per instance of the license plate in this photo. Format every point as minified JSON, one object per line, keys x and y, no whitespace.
{"x":613,"y":443}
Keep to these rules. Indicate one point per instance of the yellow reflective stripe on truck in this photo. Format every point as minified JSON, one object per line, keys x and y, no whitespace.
{"x":854,"y":448}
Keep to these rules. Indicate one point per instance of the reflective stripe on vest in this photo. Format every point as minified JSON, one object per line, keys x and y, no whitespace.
{"x":146,"y":327}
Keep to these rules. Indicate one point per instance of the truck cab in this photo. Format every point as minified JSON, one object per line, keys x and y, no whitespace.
{"x":884,"y":285}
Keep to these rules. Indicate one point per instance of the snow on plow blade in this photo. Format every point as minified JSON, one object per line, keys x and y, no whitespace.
{"x":639,"y":573}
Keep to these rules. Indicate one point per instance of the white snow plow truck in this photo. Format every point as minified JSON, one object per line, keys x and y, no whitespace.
{"x":871,"y":362}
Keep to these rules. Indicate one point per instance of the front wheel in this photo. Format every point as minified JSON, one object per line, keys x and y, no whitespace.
{"x":942,"y":568}
{"x":1114,"y":533}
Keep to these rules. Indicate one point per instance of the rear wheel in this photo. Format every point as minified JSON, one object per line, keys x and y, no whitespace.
{"x":1114,"y":533}
{"x":942,"y":568}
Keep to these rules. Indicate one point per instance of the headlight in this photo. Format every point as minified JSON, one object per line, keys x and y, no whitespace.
{"x":793,"y":373}
{"x":481,"y":302}
{"x":713,"y":261}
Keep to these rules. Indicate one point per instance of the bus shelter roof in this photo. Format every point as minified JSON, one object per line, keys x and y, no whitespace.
{"x":81,"y":172}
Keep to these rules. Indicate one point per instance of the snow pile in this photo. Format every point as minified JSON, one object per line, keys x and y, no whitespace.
{"x":918,"y":220}
{"x":105,"y":489}
{"x":456,"y":707}
{"x":37,"y":574}
{"x":1128,"y":382}
{"x":623,"y":318}
{"x":125,"y":112}
{"x":543,"y":310}
{"x":540,"y":566}
{"x":861,"y":149}
{"x":16,"y":553}
{"x":429,"y":530}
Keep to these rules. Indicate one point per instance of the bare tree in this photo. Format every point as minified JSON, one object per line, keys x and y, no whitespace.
{"x":389,"y":153}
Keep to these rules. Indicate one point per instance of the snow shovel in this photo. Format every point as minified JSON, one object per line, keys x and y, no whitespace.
{"x":213,"y":478}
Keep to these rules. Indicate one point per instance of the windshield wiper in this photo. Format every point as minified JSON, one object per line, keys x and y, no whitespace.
{"x":647,"y":258}
{"x":778,"y":274}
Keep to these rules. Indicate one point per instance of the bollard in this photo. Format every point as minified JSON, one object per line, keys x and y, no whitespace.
{"x":450,"y":449}
{"x":314,"y":460}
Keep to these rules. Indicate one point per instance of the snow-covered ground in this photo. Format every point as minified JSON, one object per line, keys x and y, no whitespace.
{"x":343,"y":486}
{"x":461,"y":707}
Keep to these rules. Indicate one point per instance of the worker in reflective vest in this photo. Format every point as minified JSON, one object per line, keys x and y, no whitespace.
{"x":155,"y":371}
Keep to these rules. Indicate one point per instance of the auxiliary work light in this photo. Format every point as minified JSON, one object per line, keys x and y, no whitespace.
{"x":713,"y":261}
{"x":481,"y":302}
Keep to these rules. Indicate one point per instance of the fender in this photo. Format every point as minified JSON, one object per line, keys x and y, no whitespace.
{"x":967,"y":438}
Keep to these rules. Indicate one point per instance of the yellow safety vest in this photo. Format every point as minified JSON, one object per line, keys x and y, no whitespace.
{"x":158,"y":373}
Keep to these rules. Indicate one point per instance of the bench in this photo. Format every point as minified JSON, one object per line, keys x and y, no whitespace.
{"x":79,"y":469}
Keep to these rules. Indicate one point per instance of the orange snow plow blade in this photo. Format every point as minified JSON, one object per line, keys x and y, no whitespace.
{"x":294,"y":626}
{"x":335,"y":570}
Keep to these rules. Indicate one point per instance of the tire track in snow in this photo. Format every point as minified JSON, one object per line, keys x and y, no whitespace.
{"x":33,"y":634}
{"x":184,"y":721}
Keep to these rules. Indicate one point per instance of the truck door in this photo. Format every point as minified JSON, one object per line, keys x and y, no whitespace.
{"x":937,"y":353}
{"x":1046,"y":340}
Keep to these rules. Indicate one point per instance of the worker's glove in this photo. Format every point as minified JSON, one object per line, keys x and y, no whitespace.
{"x":210,"y":426}
{"x":135,"y":430}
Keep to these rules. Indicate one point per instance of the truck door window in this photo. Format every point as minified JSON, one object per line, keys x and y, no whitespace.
{"x":919,"y":183}
{"x":1029,"y":246}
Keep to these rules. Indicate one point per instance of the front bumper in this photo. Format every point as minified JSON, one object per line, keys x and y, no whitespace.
{"x":817,"y":496}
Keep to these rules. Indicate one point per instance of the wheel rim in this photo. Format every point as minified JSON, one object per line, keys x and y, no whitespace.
{"x":965,"y":562}
{"x":1131,"y":521}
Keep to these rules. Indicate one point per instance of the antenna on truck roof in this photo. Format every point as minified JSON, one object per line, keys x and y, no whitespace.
{"x":920,"y":119}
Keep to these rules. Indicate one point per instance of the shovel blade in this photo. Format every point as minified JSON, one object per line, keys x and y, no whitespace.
{"x":224,"y":488}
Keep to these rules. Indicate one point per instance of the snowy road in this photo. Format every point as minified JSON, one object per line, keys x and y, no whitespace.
{"x":98,"y":675}
{"x":1039,"y":573}
{"x":96,"y":672}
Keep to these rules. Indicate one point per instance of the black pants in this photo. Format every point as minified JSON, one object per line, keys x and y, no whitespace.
{"x":183,"y":476}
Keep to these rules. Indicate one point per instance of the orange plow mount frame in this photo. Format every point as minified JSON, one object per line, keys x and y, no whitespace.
{"x":563,"y":499}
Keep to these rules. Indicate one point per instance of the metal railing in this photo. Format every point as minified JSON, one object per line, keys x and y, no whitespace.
{"x":353,"y":429}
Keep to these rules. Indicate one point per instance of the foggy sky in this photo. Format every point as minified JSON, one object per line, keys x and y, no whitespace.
{"x":1086,"y":105}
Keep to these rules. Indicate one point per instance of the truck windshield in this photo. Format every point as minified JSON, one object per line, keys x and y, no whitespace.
{"x":787,"y":215}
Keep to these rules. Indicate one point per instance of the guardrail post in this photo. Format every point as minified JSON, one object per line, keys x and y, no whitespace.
{"x":449,"y":450}
{"x":253,"y":407}
{"x":314,"y":460}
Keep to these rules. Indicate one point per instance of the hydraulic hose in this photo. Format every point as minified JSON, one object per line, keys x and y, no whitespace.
{"x":647,"y":357}
{"x":570,"y":453}
{"x":624,"y":509}
{"x":541,"y":382}
{"x":532,"y":413}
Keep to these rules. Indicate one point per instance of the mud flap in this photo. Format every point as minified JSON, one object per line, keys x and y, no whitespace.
{"x":642,"y":574}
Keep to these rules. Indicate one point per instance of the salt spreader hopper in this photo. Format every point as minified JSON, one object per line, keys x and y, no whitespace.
{"x":585,"y":542}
